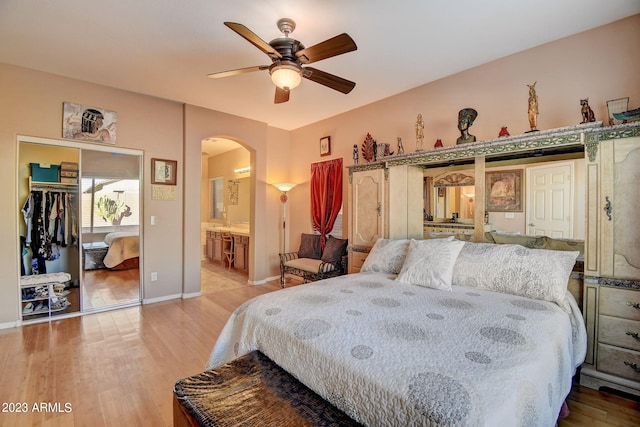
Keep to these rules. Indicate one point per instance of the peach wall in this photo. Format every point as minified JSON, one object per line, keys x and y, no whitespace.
{"x":31,"y":104}
{"x":264,"y":144}
{"x":600,"y":64}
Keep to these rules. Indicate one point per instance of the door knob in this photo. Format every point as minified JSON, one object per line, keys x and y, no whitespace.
{"x":532,"y":225}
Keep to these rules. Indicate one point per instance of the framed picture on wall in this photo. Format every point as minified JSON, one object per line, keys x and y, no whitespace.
{"x":163,"y":171}
{"x":325,"y":146}
{"x":88,"y":123}
{"x":504,"y":191}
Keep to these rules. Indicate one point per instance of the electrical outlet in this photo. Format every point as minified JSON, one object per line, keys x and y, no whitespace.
{"x":154,"y":276}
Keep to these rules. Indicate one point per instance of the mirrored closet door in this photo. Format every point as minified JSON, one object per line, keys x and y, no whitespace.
{"x":80,"y":227}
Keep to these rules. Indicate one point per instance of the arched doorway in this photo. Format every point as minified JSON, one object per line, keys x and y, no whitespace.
{"x":225,"y":210}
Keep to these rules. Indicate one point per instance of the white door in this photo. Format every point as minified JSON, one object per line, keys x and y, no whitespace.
{"x":550,"y":200}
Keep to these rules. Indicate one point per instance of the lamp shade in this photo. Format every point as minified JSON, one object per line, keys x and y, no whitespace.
{"x":286,"y":76}
{"x":284,"y":186}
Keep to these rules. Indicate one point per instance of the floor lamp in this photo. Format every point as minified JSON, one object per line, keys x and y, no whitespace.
{"x":284,"y":187}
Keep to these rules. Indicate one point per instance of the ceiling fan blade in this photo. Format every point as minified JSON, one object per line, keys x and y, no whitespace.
{"x":332,"y":47}
{"x":252,"y":38}
{"x":329,"y":80}
{"x":238,"y":71}
{"x":282,"y":95}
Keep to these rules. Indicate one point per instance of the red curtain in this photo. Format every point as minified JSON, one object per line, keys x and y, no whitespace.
{"x":326,"y":195}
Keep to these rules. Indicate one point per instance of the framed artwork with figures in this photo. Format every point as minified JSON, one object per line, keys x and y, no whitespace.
{"x":504,"y":191}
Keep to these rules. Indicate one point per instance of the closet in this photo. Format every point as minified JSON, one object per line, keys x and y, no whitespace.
{"x":72,"y":195}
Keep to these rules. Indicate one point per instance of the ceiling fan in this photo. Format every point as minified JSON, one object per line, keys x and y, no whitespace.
{"x":288,"y":57}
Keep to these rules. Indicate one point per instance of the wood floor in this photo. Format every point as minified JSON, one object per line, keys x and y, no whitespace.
{"x":118,"y":368}
{"x":105,"y":288}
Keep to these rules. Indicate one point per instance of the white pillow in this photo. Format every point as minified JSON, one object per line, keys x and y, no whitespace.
{"x":513,"y":269}
{"x":430,"y":263}
{"x":386,"y":256}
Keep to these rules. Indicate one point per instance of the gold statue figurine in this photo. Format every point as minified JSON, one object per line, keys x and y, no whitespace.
{"x":533,"y":107}
{"x":419,"y":133}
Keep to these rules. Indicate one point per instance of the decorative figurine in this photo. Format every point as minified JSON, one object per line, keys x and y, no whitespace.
{"x":438,"y":143}
{"x":503,"y":132}
{"x":466,"y":117}
{"x":400,"y":146}
{"x":419,"y":133}
{"x":587,"y":112}
{"x":375,"y":150}
{"x":356,"y":157}
{"x":533,"y":108}
{"x":384,"y":149}
{"x":367,"y":148}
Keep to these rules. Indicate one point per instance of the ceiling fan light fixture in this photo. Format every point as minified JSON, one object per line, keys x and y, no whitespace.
{"x":286,"y":76}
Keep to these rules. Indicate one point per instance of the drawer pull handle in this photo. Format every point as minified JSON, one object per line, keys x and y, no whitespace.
{"x":634,"y":335}
{"x":635,"y":305}
{"x":632,"y":365}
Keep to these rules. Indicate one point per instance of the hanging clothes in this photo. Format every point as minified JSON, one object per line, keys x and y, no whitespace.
{"x":51,"y":222}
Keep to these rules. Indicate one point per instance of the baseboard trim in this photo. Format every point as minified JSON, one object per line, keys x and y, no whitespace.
{"x":161,"y":299}
{"x":263,"y":281}
{"x":192,"y":295}
{"x":8,"y":325}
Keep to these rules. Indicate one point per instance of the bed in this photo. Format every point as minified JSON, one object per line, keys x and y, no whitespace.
{"x":439,"y":333}
{"x":124,"y":250}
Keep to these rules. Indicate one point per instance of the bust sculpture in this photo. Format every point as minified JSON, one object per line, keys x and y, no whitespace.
{"x":466,"y":117}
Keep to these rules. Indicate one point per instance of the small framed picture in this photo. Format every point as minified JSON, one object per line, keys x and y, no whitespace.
{"x":163,"y":172}
{"x":325,"y":146}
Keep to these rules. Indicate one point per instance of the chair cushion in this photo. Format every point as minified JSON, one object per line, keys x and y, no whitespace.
{"x":309,"y":264}
{"x":334,"y":249}
{"x":310,"y":246}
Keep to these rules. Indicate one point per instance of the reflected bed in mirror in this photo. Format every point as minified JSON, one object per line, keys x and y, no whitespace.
{"x":111,"y":215}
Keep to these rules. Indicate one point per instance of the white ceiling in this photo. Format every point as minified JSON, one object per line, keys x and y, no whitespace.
{"x":166,"y":48}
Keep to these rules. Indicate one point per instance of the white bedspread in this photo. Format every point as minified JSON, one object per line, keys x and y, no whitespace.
{"x":122,"y":246}
{"x":389,"y":353}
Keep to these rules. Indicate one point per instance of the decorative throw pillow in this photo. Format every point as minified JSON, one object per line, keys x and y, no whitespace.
{"x":386,"y":256}
{"x":440,"y":234}
{"x":564,"y":245}
{"x":310,"y":246}
{"x":430,"y":263}
{"x":513,"y":269}
{"x":518,"y":239}
{"x":334,"y":249}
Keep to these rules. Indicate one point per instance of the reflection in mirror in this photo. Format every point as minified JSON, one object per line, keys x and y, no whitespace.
{"x":453,"y":195}
{"x":110,"y":224}
{"x":458,"y":200}
{"x":239,"y":212}
{"x":216,"y":207}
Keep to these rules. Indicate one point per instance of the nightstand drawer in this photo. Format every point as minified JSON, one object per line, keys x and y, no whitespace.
{"x":618,"y":361}
{"x":620,"y":303}
{"x":619,"y":332}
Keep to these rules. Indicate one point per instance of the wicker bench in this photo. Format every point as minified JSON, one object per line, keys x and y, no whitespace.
{"x":251,"y":391}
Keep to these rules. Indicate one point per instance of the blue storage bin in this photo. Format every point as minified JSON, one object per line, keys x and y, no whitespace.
{"x":44,"y":172}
